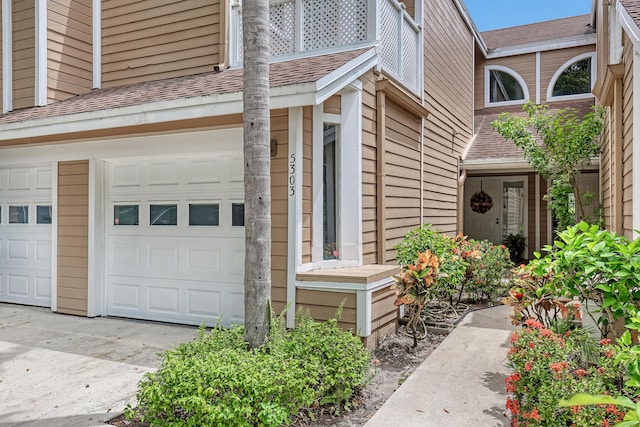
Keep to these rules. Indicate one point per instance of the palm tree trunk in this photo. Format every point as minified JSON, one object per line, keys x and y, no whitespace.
{"x":257,"y":166}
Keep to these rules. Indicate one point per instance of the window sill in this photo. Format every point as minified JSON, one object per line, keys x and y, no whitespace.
{"x":355,"y":278}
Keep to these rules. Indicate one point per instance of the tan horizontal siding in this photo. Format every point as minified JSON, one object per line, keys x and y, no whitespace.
{"x":279,"y":221}
{"x":449,"y":81}
{"x":73,"y":219}
{"x":323,"y":305}
{"x":145,"y":41}
{"x":23,"y":28}
{"x":627,"y":138}
{"x":369,"y":169}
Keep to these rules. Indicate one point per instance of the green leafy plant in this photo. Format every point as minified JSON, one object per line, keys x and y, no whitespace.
{"x":453,"y":266}
{"x":569,"y":142}
{"x":489,"y":267}
{"x":216,"y":380}
{"x":593,"y":265}
{"x":532,"y":296}
{"x":547,"y":366}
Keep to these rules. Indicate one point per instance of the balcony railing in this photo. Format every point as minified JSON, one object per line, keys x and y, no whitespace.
{"x":301,"y":26}
{"x":400,"y":44}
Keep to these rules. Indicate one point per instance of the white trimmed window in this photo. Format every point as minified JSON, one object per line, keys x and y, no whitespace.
{"x":574,"y":79}
{"x":337,"y":184}
{"x":503,"y":86}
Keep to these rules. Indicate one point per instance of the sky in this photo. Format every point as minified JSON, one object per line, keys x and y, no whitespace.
{"x":494,"y":14}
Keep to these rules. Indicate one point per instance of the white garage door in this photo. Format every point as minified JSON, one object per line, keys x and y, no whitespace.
{"x":176,"y":239}
{"x":25,"y":235}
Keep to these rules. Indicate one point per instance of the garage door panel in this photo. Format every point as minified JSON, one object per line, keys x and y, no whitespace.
{"x":25,"y":247}
{"x":184,"y":271}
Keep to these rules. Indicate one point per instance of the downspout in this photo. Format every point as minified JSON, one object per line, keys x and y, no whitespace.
{"x":380,"y":177}
{"x":422,"y":170}
{"x":462,"y":177}
{"x":618,"y":97}
{"x":225,"y":13}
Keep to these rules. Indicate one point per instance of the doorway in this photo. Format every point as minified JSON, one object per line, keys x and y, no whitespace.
{"x":495,"y":207}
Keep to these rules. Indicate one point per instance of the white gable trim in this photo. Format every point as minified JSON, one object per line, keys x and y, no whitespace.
{"x":629,"y":25}
{"x":576,"y":41}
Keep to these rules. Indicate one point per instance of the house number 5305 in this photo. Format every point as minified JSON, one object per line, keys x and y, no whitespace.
{"x":292,"y":175}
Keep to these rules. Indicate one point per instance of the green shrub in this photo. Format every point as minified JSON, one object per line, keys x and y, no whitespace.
{"x":215,"y":380}
{"x":452,"y":266}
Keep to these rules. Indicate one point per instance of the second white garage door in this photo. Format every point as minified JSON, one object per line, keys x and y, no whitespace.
{"x":176,"y":239}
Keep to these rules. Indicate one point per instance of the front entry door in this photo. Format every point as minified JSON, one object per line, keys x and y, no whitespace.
{"x":485,"y":225}
{"x":507,"y":211}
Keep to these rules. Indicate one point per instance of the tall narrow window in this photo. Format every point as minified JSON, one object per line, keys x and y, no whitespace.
{"x":330,"y":193}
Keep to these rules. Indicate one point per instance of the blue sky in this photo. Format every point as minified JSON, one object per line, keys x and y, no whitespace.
{"x":493,"y":14}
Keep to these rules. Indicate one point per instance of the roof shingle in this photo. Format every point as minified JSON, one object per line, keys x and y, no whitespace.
{"x":538,"y":32}
{"x":490,"y":146}
{"x":286,"y":73}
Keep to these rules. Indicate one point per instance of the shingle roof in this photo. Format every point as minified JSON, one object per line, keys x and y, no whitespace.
{"x":633,"y":8}
{"x":538,"y":32}
{"x":490,"y":146}
{"x":286,"y":73}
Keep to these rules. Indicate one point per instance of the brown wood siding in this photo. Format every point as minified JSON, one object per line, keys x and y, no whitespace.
{"x":550,"y":62}
{"x":369,"y":171}
{"x":627,"y":139}
{"x":24,"y":52}
{"x":524,"y":65}
{"x":69,"y":48}
{"x":73,"y":252}
{"x":322,"y":305}
{"x":279,"y":209}
{"x":448,"y":92}
{"x":307,"y":183}
{"x":402,"y":176}
{"x":144,"y":40}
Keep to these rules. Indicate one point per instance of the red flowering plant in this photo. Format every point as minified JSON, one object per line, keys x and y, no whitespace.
{"x":547,"y":367}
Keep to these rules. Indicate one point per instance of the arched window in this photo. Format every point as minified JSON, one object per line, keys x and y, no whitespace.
{"x":574,"y":78}
{"x":504,"y":86}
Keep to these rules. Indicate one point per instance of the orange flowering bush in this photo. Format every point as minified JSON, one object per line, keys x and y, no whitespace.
{"x":547,"y":367}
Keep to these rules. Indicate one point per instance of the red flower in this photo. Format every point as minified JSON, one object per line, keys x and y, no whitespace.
{"x":605,"y":341}
{"x":534,"y":415}
{"x":513,"y":406}
{"x":558,"y":366}
{"x":546,"y":333}
{"x":533,"y":323}
{"x":532,"y":344}
{"x":528,"y":366}
{"x":580,"y":373}
{"x":609,"y":354}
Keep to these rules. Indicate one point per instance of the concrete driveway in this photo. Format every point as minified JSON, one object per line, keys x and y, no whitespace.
{"x":60,"y":370}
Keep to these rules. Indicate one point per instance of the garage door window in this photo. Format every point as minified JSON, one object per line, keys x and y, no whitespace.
{"x":43,"y":214}
{"x":163,"y":215}
{"x":125,"y":215}
{"x":18,"y":214}
{"x":237,"y":214}
{"x":204,"y":214}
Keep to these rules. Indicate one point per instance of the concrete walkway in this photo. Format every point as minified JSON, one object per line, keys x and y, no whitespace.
{"x":461,"y":384}
{"x":58,"y":370}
